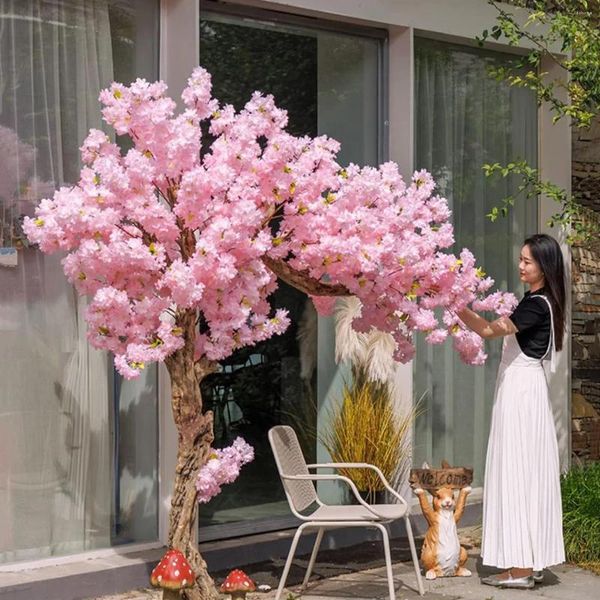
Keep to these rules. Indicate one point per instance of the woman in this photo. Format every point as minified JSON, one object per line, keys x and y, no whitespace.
{"x":522,"y":513}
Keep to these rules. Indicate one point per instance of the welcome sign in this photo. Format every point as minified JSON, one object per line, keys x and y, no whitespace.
{"x":447,"y":476}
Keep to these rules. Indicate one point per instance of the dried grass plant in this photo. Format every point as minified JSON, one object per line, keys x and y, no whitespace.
{"x":366,"y":427}
{"x":372,"y":352}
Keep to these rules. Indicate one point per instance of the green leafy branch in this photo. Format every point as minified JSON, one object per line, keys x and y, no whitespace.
{"x":582,"y":223}
{"x":573,"y":27}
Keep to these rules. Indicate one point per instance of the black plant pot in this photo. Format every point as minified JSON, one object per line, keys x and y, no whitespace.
{"x":369,"y":496}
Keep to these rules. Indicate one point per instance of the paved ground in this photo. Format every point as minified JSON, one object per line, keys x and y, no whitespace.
{"x":357,"y":574}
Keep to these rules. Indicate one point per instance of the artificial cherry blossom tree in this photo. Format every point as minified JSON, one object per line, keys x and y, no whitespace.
{"x":179,"y":242}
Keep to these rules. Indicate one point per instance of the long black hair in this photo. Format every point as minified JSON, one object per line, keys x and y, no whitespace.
{"x":547,"y":254}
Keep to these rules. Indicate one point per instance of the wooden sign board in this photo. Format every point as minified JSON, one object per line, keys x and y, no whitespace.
{"x":434,"y":479}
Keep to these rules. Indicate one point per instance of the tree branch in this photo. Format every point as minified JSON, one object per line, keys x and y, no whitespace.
{"x":302,"y":280}
{"x":531,"y":37}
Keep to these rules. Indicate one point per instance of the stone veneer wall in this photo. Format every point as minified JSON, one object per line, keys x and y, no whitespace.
{"x":586,"y":304}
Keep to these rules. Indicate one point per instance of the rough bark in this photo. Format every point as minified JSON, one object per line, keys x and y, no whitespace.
{"x":302,"y":281}
{"x":195,"y":437}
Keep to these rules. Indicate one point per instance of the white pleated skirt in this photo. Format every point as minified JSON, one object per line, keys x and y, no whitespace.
{"x":522,"y":509}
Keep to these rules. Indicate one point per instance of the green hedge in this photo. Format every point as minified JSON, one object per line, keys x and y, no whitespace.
{"x":581,"y":513}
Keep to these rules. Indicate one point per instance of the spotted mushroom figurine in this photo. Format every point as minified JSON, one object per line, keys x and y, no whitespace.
{"x":173,"y":573}
{"x":238,"y":584}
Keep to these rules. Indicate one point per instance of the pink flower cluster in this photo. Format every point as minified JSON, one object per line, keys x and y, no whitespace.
{"x":222,"y":467}
{"x":171,"y":225}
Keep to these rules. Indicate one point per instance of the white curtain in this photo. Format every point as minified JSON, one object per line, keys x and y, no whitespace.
{"x":463,"y":119}
{"x":55,"y":480}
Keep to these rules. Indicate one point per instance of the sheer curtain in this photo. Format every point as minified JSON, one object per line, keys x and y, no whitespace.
{"x":55,"y":480}
{"x":463,"y":119}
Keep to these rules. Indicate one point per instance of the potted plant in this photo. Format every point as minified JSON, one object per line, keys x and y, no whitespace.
{"x":366,"y":425}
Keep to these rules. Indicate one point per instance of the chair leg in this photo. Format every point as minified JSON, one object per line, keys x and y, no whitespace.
{"x":388,"y":559}
{"x":288,"y":562}
{"x":313,"y":557}
{"x":413,"y":551}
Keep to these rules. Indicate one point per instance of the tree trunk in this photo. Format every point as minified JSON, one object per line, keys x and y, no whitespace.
{"x":195,"y":437}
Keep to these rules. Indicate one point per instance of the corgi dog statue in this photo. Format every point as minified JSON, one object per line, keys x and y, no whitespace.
{"x":442,"y":555}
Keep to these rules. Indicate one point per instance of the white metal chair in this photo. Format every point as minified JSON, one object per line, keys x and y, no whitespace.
{"x":301,"y":494}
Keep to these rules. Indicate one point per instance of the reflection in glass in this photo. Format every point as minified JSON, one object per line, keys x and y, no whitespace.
{"x":134,"y":403}
{"x":463,"y":119}
{"x":56,"y":451}
{"x":328,"y":84}
{"x":267,"y":384}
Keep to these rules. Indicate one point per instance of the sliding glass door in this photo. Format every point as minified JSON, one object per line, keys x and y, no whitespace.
{"x":329,"y":82}
{"x":463,"y":119}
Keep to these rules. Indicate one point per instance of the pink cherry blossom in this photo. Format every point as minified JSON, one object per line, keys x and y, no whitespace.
{"x":223,"y":466}
{"x":324,"y":305}
{"x":170,"y":227}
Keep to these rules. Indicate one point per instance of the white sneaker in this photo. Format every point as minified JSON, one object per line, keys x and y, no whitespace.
{"x":522,"y":583}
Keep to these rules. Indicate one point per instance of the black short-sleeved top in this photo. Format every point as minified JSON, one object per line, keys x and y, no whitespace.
{"x":532,"y":319}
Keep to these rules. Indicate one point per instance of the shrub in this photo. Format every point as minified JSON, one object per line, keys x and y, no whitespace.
{"x":581,"y":513}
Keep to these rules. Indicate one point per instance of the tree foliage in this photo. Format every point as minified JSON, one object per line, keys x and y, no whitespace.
{"x":180,"y":229}
{"x":565,"y":32}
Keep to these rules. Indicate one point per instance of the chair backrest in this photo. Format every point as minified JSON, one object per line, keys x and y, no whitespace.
{"x":290,"y":461}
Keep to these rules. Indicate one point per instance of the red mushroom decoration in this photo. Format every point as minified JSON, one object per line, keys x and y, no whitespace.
{"x":172,"y":573}
{"x":238,"y":584}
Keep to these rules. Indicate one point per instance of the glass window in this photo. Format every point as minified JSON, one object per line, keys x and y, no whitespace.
{"x":328,"y":82}
{"x":68,"y":481}
{"x":463,"y":119}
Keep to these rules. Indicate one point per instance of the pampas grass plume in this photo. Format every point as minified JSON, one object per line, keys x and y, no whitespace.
{"x":349,"y":344}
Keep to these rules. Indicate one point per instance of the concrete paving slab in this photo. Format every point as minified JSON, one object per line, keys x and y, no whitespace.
{"x":122,"y":569}
{"x":564,"y":582}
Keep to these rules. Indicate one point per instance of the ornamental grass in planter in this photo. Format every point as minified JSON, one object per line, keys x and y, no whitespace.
{"x":365,"y":427}
{"x":581,"y":515}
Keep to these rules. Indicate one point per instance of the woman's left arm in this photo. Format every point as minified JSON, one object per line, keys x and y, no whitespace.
{"x":484,"y":328}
